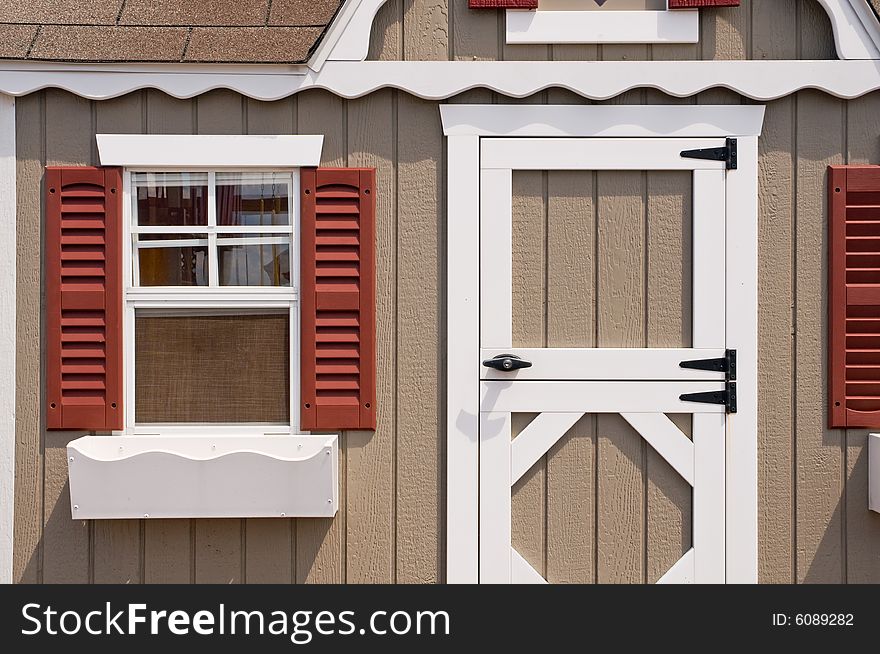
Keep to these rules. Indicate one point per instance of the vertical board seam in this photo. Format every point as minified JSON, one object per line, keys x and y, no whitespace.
{"x":395,"y":127}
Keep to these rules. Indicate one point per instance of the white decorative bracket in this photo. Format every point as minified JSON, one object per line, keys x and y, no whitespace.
{"x":348,"y":38}
{"x":856,"y":28}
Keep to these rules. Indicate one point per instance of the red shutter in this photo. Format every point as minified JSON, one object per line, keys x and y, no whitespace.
{"x":83,"y":298}
{"x":854,"y":295}
{"x":690,"y":4}
{"x":503,"y":4}
{"x":338,"y":289}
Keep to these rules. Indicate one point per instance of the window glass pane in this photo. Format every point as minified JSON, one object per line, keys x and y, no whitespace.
{"x":217,"y":368}
{"x":253,"y":199}
{"x":172,"y":259}
{"x":170,"y":199}
{"x":254,"y":260}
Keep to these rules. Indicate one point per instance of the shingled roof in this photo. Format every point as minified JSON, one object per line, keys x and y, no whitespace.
{"x":219,"y":31}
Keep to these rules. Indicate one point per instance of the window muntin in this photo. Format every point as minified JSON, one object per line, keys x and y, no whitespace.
{"x":212,"y":229}
{"x":212,"y":314}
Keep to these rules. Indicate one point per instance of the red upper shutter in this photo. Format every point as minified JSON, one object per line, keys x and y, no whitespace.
{"x":338,"y":290}
{"x":503,"y":4}
{"x":83,"y":298}
{"x":688,"y":4}
{"x":854,"y":295}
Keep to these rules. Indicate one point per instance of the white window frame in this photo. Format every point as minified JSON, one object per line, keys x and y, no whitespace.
{"x":592,"y":26}
{"x":212,"y":154}
{"x":464,"y":127}
{"x":187,"y":301}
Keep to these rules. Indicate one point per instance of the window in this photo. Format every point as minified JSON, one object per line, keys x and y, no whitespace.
{"x":211,"y":300}
{"x":603,"y":21}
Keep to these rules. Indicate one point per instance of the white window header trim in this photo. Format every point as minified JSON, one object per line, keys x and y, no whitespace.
{"x":209,"y":151}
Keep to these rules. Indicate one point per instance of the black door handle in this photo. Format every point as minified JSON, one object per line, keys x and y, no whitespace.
{"x":507,"y":362}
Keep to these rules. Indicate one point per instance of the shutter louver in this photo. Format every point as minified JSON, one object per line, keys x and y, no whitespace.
{"x":83,"y":298}
{"x":854,"y":295}
{"x":338,"y":368}
{"x":690,"y":4}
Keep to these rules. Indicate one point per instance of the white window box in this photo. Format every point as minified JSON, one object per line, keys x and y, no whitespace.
{"x":874,"y":472}
{"x":203,"y":476}
{"x":679,"y":26}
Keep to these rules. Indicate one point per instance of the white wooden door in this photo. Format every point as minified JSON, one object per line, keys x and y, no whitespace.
{"x":643,"y":386}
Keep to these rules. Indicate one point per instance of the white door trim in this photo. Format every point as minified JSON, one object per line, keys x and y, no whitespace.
{"x":7,"y":333}
{"x":464,"y":125}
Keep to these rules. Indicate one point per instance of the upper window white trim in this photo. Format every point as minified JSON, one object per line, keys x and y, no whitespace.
{"x":601,"y":120}
{"x":210,"y":151}
{"x":680,"y":26}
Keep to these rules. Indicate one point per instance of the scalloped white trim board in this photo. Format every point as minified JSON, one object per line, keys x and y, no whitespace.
{"x":7,"y":333}
{"x":436,"y":80}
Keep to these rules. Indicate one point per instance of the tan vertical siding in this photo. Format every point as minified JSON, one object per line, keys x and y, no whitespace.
{"x":28,"y":525}
{"x":370,"y":525}
{"x":598,"y":248}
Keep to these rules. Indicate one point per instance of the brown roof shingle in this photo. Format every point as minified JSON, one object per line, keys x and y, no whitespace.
{"x":15,"y":40}
{"x":194,"y":12}
{"x":219,"y":31}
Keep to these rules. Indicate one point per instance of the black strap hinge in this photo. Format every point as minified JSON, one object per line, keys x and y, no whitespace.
{"x":727,"y":154}
{"x":727,"y":397}
{"x":725,"y":364}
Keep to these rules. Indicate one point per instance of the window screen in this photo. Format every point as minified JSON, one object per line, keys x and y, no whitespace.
{"x":212,"y":368}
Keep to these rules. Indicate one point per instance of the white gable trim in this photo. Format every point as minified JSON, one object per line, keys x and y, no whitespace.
{"x":7,"y":334}
{"x":856,"y":29}
{"x":348,"y":38}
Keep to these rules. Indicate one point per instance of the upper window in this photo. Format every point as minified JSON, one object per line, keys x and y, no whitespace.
{"x":603,"y":21}
{"x":212,"y":229}
{"x":603,"y":5}
{"x":202,"y":351}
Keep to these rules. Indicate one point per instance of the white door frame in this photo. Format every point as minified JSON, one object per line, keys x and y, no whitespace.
{"x":465,"y":126}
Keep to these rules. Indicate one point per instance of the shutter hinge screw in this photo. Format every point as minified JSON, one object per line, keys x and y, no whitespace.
{"x":70,"y":459}
{"x":76,"y":507}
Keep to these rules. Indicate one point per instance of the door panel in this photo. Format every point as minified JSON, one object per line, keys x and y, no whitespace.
{"x":590,"y":249}
{"x":605,"y":277}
